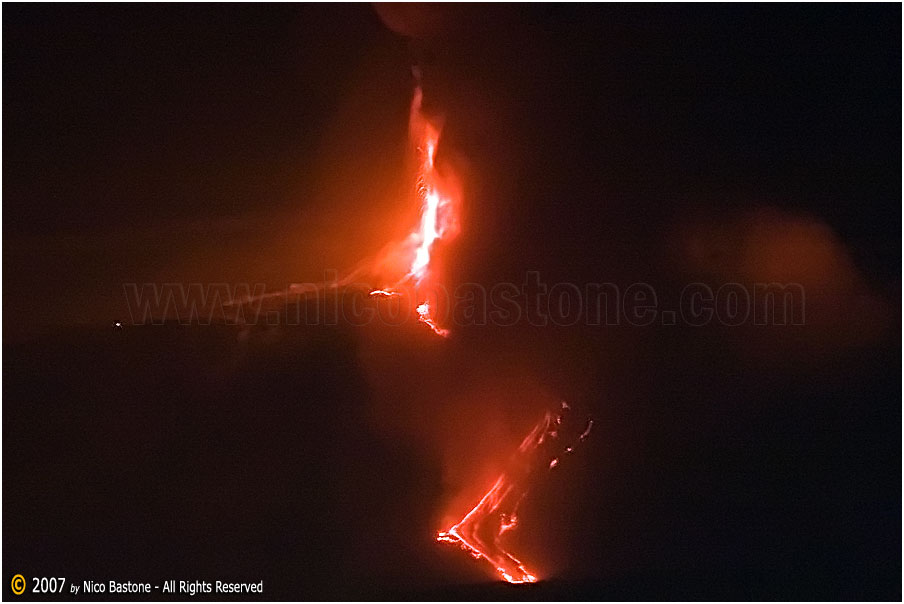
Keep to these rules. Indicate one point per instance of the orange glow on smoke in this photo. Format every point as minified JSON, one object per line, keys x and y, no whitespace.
{"x":409,"y":271}
{"x":438,"y":219}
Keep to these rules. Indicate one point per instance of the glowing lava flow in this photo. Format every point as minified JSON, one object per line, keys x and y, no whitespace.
{"x":407,"y":269}
{"x":481,"y":531}
{"x":438,"y":218}
{"x":424,"y":316}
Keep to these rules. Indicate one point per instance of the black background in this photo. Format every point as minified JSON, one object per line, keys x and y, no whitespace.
{"x":263,"y":144}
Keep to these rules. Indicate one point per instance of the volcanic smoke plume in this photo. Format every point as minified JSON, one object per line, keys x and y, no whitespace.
{"x":482,"y":530}
{"x":438,"y":220}
{"x":407,"y":269}
{"x":408,"y":272}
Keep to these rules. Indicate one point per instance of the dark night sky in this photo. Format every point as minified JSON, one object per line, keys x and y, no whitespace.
{"x":664,"y":144}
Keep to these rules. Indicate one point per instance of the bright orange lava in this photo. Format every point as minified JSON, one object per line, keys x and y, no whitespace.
{"x":481,"y":531}
{"x":438,"y":218}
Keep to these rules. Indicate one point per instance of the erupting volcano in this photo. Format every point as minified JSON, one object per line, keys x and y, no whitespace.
{"x":407,"y":270}
{"x":481,"y":531}
{"x":438,"y":220}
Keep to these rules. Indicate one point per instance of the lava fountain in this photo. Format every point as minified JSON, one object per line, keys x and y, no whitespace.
{"x":408,"y":270}
{"x":481,"y":531}
{"x":405,"y":269}
{"x":438,"y":220}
